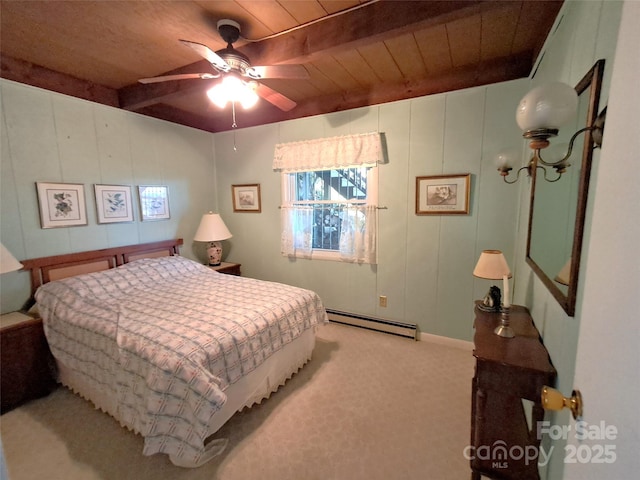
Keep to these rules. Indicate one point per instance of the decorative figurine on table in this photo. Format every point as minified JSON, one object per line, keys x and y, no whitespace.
{"x":492,"y":300}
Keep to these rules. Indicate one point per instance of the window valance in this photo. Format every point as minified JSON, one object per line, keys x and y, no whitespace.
{"x":329,"y":153}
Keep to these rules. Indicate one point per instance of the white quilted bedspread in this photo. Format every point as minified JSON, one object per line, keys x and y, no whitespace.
{"x":179,"y":334}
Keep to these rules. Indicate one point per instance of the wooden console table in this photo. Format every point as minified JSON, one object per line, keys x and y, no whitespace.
{"x":507,"y":371}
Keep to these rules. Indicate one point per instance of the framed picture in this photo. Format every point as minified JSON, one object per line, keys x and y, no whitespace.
{"x":154,"y":202}
{"x":246,"y":198}
{"x":61,"y":204}
{"x":114,"y":203}
{"x":443,"y":194}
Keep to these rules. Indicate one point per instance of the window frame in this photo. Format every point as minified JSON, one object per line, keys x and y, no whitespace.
{"x":288,"y":189}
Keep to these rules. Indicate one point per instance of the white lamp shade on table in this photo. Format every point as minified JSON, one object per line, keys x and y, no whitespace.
{"x":8,"y":262}
{"x":212,"y":229}
{"x":493,"y":266}
{"x":564,"y":275}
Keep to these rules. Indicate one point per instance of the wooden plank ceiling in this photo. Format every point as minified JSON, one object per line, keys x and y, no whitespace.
{"x":357,"y":53}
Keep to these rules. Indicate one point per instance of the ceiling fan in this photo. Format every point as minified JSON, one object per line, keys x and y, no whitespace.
{"x":234,"y":67}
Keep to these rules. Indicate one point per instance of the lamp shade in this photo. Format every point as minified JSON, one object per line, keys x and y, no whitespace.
{"x":507,"y":158}
{"x":492,"y":265}
{"x":8,"y":262}
{"x":547,"y":107}
{"x":212,"y":229}
{"x":232,"y":89}
{"x":564,"y":275}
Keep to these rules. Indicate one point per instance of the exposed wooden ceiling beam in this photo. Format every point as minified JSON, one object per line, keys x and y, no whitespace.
{"x":134,"y":98}
{"x":31,"y":74}
{"x":489,"y":72}
{"x":376,"y":22}
{"x":175,"y":115}
{"x":373,"y":23}
{"x":503,"y":69}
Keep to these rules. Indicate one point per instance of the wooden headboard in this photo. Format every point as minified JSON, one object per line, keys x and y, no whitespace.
{"x":46,"y":269}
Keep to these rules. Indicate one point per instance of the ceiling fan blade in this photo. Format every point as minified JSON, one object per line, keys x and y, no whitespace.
{"x":275,"y":98}
{"x":181,"y":76}
{"x":209,"y":55}
{"x":279,"y":71}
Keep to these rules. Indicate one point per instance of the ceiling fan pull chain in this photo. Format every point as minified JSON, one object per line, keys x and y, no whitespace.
{"x":234,"y":125}
{"x":233,"y":110}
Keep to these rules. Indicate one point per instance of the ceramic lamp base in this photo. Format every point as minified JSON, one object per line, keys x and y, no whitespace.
{"x":215,"y":254}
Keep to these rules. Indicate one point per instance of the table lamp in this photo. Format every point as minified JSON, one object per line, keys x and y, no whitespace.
{"x":564,"y":275}
{"x":493,"y":266}
{"x":8,"y":262}
{"x":212,"y":229}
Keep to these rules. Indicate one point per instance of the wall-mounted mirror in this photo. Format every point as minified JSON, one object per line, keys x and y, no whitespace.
{"x":557,"y":211}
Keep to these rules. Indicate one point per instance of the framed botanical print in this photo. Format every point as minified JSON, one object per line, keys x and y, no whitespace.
{"x":114,"y":203}
{"x":154,"y":202}
{"x":246,"y":198}
{"x":61,"y":204}
{"x":443,"y":194}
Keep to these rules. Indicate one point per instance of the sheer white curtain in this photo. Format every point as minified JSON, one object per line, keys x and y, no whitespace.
{"x":359,"y":237}
{"x":359,"y":232}
{"x":297,"y":231}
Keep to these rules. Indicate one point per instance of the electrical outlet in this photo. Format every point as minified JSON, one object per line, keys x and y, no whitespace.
{"x":383,"y":300}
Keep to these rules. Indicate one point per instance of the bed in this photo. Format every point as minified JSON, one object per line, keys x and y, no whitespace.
{"x":167,"y":346}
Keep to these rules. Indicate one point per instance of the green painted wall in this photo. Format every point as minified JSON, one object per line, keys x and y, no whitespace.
{"x":48,"y":137}
{"x":586,"y":31}
{"x":425,"y":262}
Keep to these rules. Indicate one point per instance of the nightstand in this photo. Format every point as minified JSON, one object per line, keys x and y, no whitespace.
{"x":228,"y":268}
{"x":25,"y":360}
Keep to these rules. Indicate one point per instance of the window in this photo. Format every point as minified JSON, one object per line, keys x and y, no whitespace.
{"x":330,"y":214}
{"x":329,"y":197}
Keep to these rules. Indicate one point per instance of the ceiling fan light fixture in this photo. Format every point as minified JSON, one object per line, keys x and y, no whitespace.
{"x":232,"y":89}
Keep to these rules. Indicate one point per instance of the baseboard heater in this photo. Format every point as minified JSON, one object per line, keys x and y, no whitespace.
{"x":408,"y":330}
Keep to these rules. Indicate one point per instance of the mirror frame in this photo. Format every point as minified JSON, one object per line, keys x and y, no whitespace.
{"x":592,"y":81}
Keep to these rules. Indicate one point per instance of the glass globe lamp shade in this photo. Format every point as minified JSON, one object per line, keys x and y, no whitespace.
{"x":547,"y":107}
{"x":556,"y":152}
{"x":232,"y":89}
{"x":218,"y":95}
{"x":249,"y":95}
{"x":507,"y":158}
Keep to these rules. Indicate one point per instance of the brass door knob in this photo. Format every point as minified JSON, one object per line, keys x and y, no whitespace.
{"x":552,"y":399}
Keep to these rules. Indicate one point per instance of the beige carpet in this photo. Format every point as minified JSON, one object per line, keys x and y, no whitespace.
{"x":368,"y":406}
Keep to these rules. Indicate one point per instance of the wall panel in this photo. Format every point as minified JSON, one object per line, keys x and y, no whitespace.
{"x":48,"y":137}
{"x":425,"y":262}
{"x":586,"y":32}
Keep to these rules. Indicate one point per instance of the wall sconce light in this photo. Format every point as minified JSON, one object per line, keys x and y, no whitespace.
{"x":506,"y":158}
{"x":540,"y":114}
